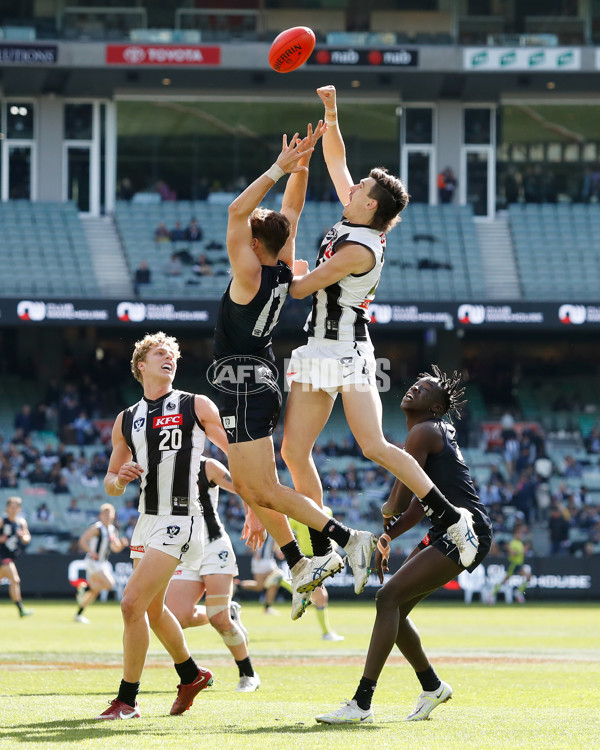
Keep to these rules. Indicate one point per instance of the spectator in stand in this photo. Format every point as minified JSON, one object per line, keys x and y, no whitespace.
{"x":524,"y":498}
{"x":43,"y":514}
{"x":8,"y":478}
{"x":89,"y":479}
{"x":572,"y":468}
{"x":177,"y":233}
{"x":334,"y":479}
{"x":558,"y":528}
{"x":127,"y":512}
{"x":23,"y":420}
{"x":162,"y":234}
{"x":85,"y":432}
{"x":19,"y":437}
{"x":142,"y":276}
{"x":74,"y":512}
{"x":447,"y":184}
{"x":38,"y":475}
{"x":193,"y":232}
{"x":202,"y":266}
{"x":174,"y":267}
{"x":126,"y":190}
{"x":353,"y":481}
{"x":61,"y":485}
{"x":592,"y":441}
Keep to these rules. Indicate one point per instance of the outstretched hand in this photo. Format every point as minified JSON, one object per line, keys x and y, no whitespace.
{"x":291,"y":154}
{"x":301,"y":267}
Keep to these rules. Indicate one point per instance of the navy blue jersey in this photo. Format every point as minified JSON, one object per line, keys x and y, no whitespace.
{"x":12,"y":546}
{"x":247,"y":329}
{"x":450,"y":474}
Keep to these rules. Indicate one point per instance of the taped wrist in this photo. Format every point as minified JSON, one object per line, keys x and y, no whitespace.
{"x":275,"y":172}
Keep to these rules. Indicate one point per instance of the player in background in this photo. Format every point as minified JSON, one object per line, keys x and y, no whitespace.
{"x":267,"y":576}
{"x":160,"y":440}
{"x":14,"y":537}
{"x":339,"y":355}
{"x":517,"y":549}
{"x":214,"y":579}
{"x":98,"y":541}
{"x":261,"y":249}
{"x":436,"y":559}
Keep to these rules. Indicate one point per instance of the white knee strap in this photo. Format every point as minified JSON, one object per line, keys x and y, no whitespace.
{"x":217,"y":603}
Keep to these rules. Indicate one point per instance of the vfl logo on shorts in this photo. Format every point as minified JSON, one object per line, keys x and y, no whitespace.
{"x":224,"y":557}
{"x":139,"y":423}
{"x":172,"y":531}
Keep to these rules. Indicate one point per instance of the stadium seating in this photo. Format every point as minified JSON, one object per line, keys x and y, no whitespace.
{"x":45,"y":247}
{"x":443,"y":238}
{"x":542,"y":235}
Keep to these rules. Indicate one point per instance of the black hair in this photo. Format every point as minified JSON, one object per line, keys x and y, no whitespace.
{"x":451,"y":388}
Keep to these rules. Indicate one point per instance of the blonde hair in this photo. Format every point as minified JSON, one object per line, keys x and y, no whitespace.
{"x":107,"y":506}
{"x":143,"y":346}
{"x":14,"y":499}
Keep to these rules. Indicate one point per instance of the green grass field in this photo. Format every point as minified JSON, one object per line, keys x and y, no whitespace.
{"x":523,"y":677}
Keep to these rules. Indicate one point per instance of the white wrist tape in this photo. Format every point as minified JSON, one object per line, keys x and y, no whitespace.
{"x":275,"y":172}
{"x":331,"y":117}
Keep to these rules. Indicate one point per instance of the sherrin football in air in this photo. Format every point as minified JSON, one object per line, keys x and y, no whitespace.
{"x":291,"y":49}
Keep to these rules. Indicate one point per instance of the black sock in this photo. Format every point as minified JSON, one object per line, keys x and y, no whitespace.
{"x":320,"y":543}
{"x":428,"y":679}
{"x":441,"y":512}
{"x":128,"y":692}
{"x":292,"y":553}
{"x":245,"y":667}
{"x":19,"y":606}
{"x":337,"y":531}
{"x":80,"y":611}
{"x":187,"y":671}
{"x":364,"y":693}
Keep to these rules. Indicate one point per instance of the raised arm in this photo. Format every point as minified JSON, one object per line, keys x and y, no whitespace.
{"x":295,"y":193}
{"x":334,"y":149}
{"x":245,"y":265}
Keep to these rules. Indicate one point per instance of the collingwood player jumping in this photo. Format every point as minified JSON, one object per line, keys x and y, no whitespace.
{"x":339,"y":354}
{"x":260,"y":244}
{"x":160,"y":441}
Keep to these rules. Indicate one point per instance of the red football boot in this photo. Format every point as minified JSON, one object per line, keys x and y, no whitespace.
{"x":187,"y":693}
{"x":119,"y":710}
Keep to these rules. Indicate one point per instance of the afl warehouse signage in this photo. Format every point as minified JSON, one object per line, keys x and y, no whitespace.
{"x":157,"y":54}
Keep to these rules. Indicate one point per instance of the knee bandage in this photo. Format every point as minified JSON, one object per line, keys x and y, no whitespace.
{"x":216,"y":604}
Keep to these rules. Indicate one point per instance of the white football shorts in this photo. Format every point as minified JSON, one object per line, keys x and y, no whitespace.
{"x":179,"y":536}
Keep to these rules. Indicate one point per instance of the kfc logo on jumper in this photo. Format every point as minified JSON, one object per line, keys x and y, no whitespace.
{"x":471,"y":314}
{"x":572,"y":314}
{"x":27,"y":310}
{"x":173,"y":420}
{"x":131,"y":312}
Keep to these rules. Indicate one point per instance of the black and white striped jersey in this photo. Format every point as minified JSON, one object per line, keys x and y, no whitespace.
{"x":167,"y":440}
{"x":209,"y":499}
{"x":100,"y":542}
{"x":247,"y":329}
{"x":340,"y":311}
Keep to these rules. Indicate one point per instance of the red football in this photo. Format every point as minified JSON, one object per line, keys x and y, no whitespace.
{"x":291,"y":49}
